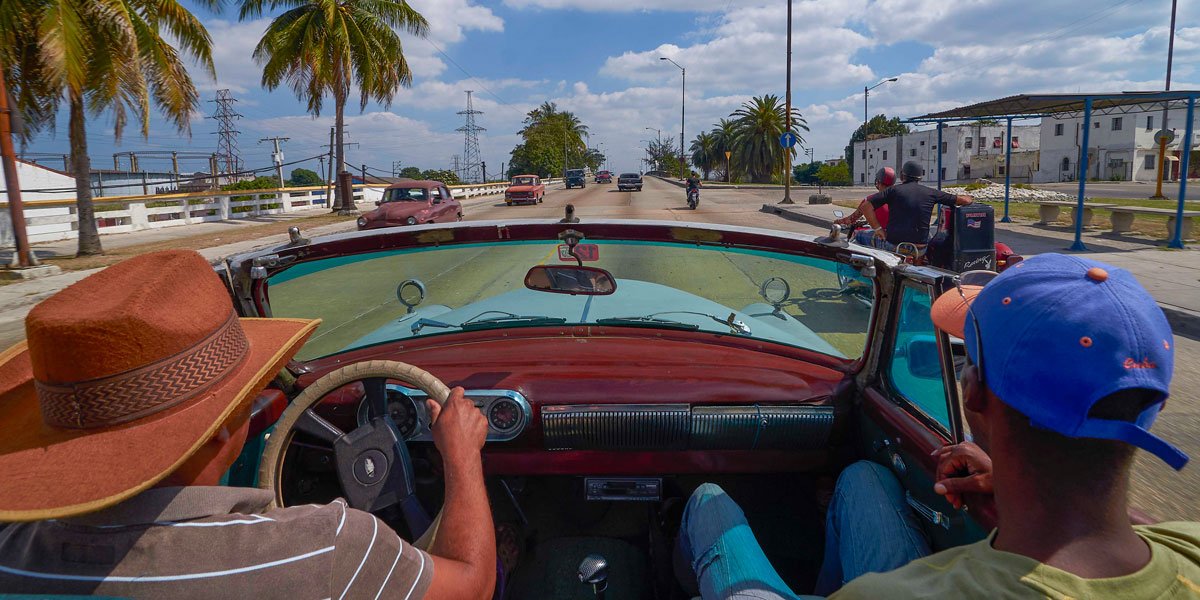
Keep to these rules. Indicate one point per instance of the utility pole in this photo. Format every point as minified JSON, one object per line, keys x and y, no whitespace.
{"x":227,"y":132}
{"x":23,"y":257}
{"x":329,"y":178}
{"x":277,"y":156}
{"x":787,"y":151}
{"x":1162,"y":141}
{"x":471,"y":159}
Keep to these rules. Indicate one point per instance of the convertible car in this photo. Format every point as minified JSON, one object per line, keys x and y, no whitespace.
{"x":620,"y":364}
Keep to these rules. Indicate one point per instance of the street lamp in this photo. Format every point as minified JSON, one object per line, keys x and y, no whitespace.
{"x":867,"y":118}
{"x":682,"y":115}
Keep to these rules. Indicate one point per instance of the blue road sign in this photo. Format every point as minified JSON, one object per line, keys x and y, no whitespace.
{"x":788,"y":139}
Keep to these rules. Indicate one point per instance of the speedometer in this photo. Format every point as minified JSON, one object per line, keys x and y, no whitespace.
{"x":504,"y":415}
{"x":403,"y":413}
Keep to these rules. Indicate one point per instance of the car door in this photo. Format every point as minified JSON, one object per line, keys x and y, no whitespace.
{"x":450,"y":206}
{"x":437,"y":205}
{"x":911,"y":407}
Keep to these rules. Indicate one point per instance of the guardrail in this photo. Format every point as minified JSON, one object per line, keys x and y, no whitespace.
{"x":53,"y":220}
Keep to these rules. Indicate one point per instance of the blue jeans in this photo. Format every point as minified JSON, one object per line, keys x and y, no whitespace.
{"x":869,"y":528}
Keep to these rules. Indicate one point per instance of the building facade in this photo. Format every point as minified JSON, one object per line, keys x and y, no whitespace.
{"x":965,"y":149}
{"x":1121,"y":147}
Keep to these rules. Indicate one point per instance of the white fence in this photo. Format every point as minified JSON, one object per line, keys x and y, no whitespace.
{"x":51,"y":220}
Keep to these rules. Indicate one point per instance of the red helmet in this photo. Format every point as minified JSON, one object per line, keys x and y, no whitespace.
{"x":886,"y":177}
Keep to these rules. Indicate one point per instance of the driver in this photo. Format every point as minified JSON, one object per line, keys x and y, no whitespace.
{"x":693,"y":183}
{"x":130,"y":401}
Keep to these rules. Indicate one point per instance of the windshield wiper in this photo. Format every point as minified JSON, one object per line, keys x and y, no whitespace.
{"x":731,"y":322}
{"x":648,"y":322}
{"x":513,"y":320}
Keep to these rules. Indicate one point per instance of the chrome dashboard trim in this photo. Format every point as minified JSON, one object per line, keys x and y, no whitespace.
{"x":492,"y":397}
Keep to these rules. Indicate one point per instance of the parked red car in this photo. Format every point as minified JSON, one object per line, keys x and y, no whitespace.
{"x":413,"y":203}
{"x":525,"y":188}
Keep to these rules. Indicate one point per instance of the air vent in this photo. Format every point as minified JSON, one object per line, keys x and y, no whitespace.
{"x":616,"y":427}
{"x":760,"y":427}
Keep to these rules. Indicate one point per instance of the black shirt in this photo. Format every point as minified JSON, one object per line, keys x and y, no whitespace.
{"x":910,"y":208}
{"x":693,"y":182}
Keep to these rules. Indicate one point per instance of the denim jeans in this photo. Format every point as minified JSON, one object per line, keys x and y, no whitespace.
{"x":869,"y":528}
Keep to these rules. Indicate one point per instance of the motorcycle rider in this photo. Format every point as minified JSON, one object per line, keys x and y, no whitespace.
{"x":910,"y":210}
{"x":693,"y":187}
{"x":884,"y":179}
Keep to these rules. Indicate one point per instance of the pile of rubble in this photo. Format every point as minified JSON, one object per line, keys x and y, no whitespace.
{"x":995,"y":191}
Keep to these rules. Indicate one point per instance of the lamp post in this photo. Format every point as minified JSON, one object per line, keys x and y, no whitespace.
{"x":1162,"y":141}
{"x":867,"y":119}
{"x":787,"y":151}
{"x":682,"y":117}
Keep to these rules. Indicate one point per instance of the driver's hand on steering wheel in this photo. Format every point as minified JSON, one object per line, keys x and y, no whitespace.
{"x":459,"y":428}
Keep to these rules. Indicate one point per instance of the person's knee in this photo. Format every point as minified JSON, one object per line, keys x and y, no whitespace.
{"x":866,"y":478}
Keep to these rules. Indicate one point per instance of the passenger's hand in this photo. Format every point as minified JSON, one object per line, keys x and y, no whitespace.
{"x":881,"y":233}
{"x":843,"y":221}
{"x":459,"y":429}
{"x":962,"y":469}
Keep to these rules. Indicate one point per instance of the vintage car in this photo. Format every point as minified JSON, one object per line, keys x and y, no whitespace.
{"x":525,"y":188}
{"x":604,"y":177}
{"x":575,"y":178}
{"x":413,"y":203}
{"x":619,"y":364}
{"x":629,"y":181}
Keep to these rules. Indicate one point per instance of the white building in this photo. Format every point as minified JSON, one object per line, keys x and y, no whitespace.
{"x":960,"y":143}
{"x":1120,"y":147}
{"x":39,"y":182}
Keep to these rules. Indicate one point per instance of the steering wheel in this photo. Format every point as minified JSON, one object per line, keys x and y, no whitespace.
{"x":372,"y":461}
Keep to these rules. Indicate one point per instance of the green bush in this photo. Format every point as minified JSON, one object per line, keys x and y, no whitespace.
{"x":976,"y":185}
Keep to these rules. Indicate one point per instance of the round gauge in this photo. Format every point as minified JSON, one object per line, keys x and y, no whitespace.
{"x":775,"y":290}
{"x":410,"y":292}
{"x":504,"y":415}
{"x":401,"y":408}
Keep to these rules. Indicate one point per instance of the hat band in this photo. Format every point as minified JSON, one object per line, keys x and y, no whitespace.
{"x":146,"y":390}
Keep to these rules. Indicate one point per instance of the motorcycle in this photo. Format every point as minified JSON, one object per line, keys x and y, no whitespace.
{"x":693,"y":198}
{"x":942,"y":251}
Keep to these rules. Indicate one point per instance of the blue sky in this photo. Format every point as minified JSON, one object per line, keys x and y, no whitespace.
{"x":599,"y":58}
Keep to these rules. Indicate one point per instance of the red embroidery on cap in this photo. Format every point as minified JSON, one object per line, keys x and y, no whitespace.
{"x":1085,"y":341}
{"x":1146,"y":363}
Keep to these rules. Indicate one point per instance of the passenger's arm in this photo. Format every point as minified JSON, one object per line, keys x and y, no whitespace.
{"x":963,"y":200}
{"x":868,"y":211}
{"x":464,"y":551}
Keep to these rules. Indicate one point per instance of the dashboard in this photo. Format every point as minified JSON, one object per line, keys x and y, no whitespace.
{"x":507,"y":412}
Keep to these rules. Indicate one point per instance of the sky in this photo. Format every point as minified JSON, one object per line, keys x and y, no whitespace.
{"x":600,"y":59}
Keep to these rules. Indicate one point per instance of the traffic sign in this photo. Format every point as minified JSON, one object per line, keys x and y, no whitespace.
{"x":788,"y":139}
{"x":1164,"y":134}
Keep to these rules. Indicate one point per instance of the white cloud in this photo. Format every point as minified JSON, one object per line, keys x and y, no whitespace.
{"x":232,"y":47}
{"x":623,"y":5}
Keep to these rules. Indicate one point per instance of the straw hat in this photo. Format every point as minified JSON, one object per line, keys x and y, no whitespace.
{"x":123,"y":376}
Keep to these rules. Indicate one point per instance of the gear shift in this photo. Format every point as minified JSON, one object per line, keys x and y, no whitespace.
{"x":594,"y":571}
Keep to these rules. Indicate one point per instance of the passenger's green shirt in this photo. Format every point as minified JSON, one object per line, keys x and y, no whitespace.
{"x":980,"y":571}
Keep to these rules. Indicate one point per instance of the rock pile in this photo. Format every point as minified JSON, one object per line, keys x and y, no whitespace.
{"x":995,"y":191}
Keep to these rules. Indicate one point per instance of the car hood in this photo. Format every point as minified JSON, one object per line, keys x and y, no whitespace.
{"x":523,"y":188}
{"x":397,"y":210}
{"x":632,"y":298}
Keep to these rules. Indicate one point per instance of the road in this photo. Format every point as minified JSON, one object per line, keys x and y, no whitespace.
{"x":1131,"y":190}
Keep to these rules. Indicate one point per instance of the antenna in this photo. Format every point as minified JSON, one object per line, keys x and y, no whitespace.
{"x":472,"y":171}
{"x":227,"y":148}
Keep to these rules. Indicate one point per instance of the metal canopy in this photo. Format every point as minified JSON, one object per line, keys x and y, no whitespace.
{"x":1036,"y":105}
{"x":1023,"y":106}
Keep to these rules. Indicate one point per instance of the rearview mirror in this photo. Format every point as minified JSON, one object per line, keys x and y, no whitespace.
{"x":839,"y":214}
{"x":566,"y":279}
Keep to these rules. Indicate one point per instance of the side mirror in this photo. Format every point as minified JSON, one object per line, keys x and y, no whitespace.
{"x":569,"y":279}
{"x":924,"y":361}
{"x":378,"y":203}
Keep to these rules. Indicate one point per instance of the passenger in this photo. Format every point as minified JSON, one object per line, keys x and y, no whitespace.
{"x":884,"y":179}
{"x":911,"y":208}
{"x":132,"y":399}
{"x":1070,"y":363}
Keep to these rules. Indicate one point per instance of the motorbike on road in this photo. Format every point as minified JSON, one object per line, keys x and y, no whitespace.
{"x":693,"y":198}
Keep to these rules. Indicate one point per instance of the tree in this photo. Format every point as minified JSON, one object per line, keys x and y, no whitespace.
{"x":877,"y":125}
{"x":304,"y":177}
{"x":836,"y":174}
{"x":759,"y":123}
{"x":704,"y":153}
{"x":445,"y":176}
{"x":114,"y":56}
{"x":663,"y":155}
{"x":806,"y":173}
{"x":321,"y":47}
{"x":724,"y":132}
{"x":553,"y":141}
{"x":410,"y":173}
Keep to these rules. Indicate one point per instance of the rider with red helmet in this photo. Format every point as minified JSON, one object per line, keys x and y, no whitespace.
{"x":884,"y":179}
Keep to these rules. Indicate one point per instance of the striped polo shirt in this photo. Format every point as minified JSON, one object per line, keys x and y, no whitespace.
{"x":213,"y":542}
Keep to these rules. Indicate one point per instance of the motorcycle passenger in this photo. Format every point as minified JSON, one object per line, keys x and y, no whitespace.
{"x":884,"y":179}
{"x":131,"y":399}
{"x":1069,"y":363}
{"x":693,"y":186}
{"x":911,"y":208}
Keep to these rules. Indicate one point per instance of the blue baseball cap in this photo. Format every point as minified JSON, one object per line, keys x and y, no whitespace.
{"x":1060,"y":333}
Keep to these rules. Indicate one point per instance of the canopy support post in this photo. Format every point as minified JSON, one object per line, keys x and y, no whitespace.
{"x":939,"y":154}
{"x":1083,"y":172}
{"x":1185,"y":154}
{"x":1007,"y":171}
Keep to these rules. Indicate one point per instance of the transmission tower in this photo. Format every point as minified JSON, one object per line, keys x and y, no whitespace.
{"x":226,"y":116}
{"x":471,"y":171}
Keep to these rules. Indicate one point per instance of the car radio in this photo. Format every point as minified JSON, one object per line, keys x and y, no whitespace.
{"x":636,"y":489}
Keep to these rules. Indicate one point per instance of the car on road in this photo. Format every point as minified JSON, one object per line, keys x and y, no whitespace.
{"x":576,"y":178}
{"x":629,"y":181}
{"x":413,"y":203}
{"x":524,"y":188}
{"x":612,"y":360}
{"x":604,"y":177}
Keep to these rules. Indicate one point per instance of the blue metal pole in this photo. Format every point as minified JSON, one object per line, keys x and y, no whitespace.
{"x":1186,"y":147}
{"x":1007,"y":172}
{"x":939,"y":154}
{"x":1083,"y":172}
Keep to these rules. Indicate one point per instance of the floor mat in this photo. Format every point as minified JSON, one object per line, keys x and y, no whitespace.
{"x":550,"y":571}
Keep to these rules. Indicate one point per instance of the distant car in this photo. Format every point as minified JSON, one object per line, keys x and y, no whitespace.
{"x":524,"y":188}
{"x":413,"y":203}
{"x":604,"y":177}
{"x":629,"y":181}
{"x":576,"y":178}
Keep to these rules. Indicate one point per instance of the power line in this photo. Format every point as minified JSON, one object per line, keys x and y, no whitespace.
{"x":227,"y":132}
{"x":465,"y":72}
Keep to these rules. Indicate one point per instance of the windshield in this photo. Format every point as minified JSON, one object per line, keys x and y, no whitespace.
{"x":629,"y":176}
{"x":405,"y":195}
{"x":524,"y":181}
{"x":575,"y":173}
{"x":362,"y":299}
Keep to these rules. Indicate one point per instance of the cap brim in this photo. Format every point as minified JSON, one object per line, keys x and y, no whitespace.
{"x":52,"y":473}
{"x":949,"y":311}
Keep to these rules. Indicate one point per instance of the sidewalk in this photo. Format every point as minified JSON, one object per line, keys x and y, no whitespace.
{"x":1171,"y":276}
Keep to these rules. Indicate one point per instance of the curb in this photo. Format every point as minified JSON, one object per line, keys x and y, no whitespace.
{"x":797,"y":216}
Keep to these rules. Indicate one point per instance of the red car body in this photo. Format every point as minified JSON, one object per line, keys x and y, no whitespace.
{"x":604,"y":177}
{"x":525,"y":188}
{"x":413,"y":203}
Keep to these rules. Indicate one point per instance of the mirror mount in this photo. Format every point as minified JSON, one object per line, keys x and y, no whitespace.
{"x":572,"y":238}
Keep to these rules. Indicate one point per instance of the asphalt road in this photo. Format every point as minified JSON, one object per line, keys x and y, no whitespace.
{"x":1131,"y":190}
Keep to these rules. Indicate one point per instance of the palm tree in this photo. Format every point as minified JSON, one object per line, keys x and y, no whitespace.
{"x":546,"y":124}
{"x":704,"y":153}
{"x":723,"y":133}
{"x":321,"y":47}
{"x":100,"y":56}
{"x":759,"y":124}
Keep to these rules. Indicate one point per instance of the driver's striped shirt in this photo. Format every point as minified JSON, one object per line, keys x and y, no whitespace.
{"x":210,"y":542}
